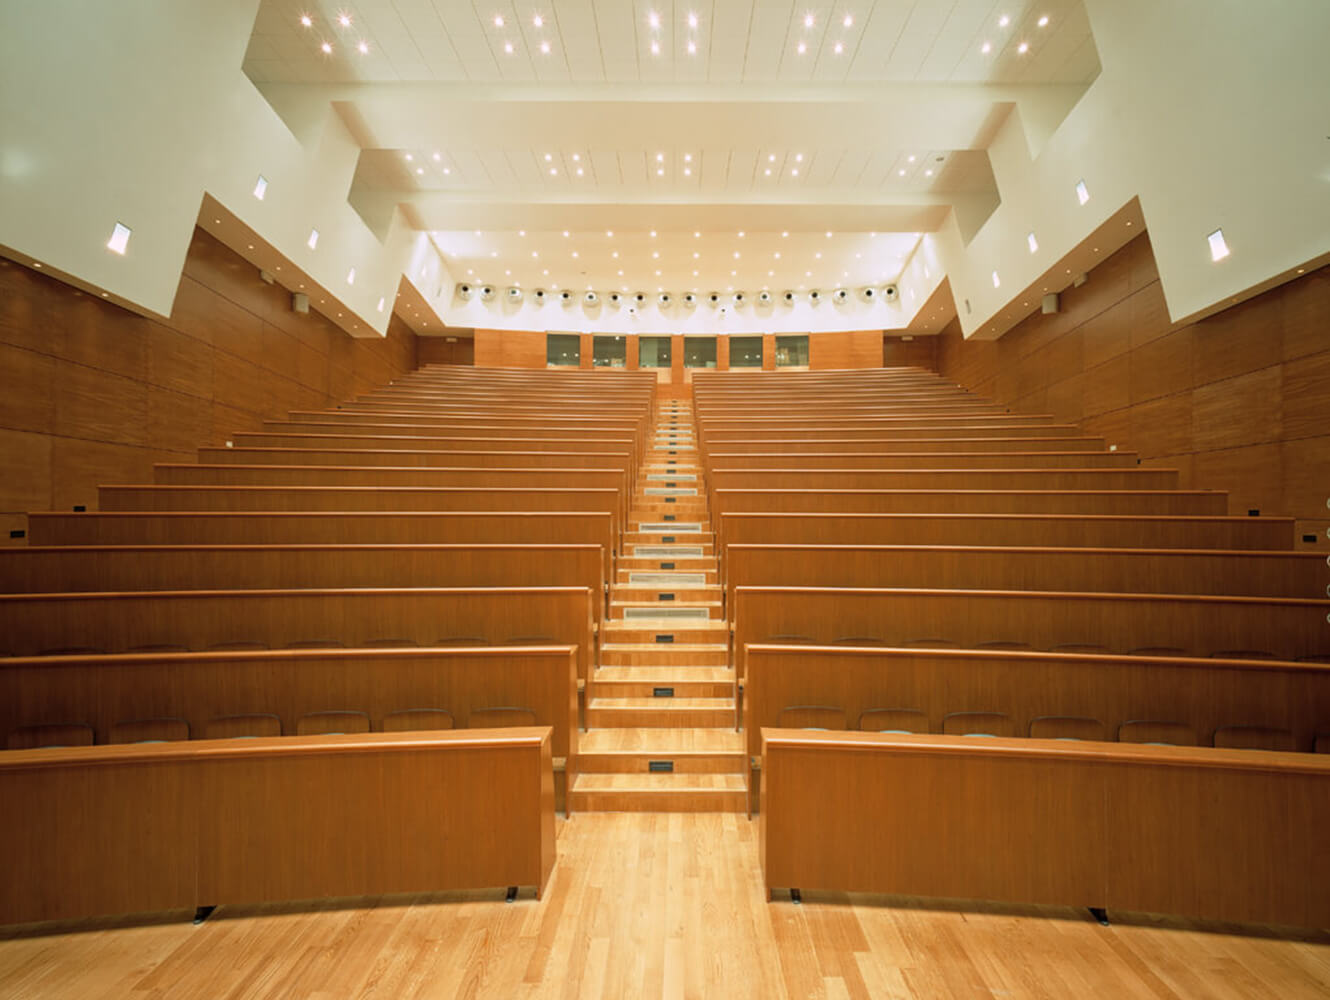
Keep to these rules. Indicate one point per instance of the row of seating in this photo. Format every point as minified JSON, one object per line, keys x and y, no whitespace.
{"x":968,"y":583}
{"x":378,"y":571}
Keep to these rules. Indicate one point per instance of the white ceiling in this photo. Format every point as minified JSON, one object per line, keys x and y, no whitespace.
{"x":872,"y":132}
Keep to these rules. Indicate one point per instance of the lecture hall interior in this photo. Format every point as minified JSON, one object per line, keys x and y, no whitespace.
{"x":664,"y":498}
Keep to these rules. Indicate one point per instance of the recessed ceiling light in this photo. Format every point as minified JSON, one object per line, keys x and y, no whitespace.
{"x":545,"y":47}
{"x":615,"y":255}
{"x":692,"y":47}
{"x":696,"y":255}
{"x":660,"y":171}
{"x":574,"y":253}
{"x":546,"y":272}
{"x":535,"y":253}
{"x":657,"y":274}
{"x":620,"y":274}
{"x":688,"y":171}
{"x":313,"y":240}
{"x":655,"y":47}
{"x":351,"y":276}
{"x":653,"y":19}
{"x":736,"y":255}
{"x":508,"y":47}
{"x":692,"y":20}
{"x":1043,"y":21}
{"x":653,"y":234}
{"x":795,"y":172}
{"x":1082,"y":192}
{"x":494,"y":253}
{"x":1031,"y":242}
{"x":1003,"y":21}
{"x":344,"y":20}
{"x":477,"y":232}
{"x":327,"y":48}
{"x":928,"y":173}
{"x":306,"y":20}
{"x":696,"y":235}
{"x":655,"y":254}
{"x":1023,"y":48}
{"x":828,"y":234}
{"x":260,"y":187}
{"x":808,"y":274}
{"x":838,"y":48}
{"x":364,"y":48}
{"x":498,"y":20}
{"x":741,"y":234}
{"x":579,"y":171}
{"x":901,"y":173}
{"x":802,"y":48}
{"x":538,"y":21}
{"x":767,"y":171}
{"x":808,"y":20}
{"x":420,"y":170}
{"x":553,"y":171}
{"x":776,"y":255}
{"x":694,"y":273}
{"x":997,"y":282}
{"x":818,"y":255}
{"x":1218,"y":245}
{"x":784,"y":235}
{"x":798,"y":157}
{"x":986,"y":48}
{"x":771,"y":274}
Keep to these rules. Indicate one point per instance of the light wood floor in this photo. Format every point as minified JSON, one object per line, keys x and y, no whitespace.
{"x":656,"y":905}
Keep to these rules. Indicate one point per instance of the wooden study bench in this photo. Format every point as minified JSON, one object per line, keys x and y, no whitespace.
{"x":44,"y":624}
{"x":1214,"y":834}
{"x":170,"y":826}
{"x":270,"y":691}
{"x":59,"y":569}
{"x":810,"y":499}
{"x":1091,"y":530}
{"x":1193,"y":625}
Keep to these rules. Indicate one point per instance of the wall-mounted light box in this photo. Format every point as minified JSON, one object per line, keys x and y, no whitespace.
{"x":119,"y":238}
{"x":1218,"y":245}
{"x":260,"y":187}
{"x":313,"y":240}
{"x":1032,"y":242}
{"x":1082,"y":192}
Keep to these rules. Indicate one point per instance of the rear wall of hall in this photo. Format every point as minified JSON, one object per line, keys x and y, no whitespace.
{"x":1239,"y":401}
{"x":91,"y":393}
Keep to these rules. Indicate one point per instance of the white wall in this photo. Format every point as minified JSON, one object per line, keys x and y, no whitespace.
{"x":1212,"y":112}
{"x":129,"y":112}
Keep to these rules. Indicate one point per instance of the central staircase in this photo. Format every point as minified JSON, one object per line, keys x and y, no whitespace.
{"x":660,"y":709}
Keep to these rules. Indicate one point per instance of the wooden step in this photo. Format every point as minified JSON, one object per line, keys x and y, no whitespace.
{"x":650,"y":654}
{"x":685,"y":681}
{"x":675,"y":612}
{"x":687,"y":594}
{"x":657,"y":793}
{"x":706,"y":565}
{"x":633,"y":750}
{"x":709,"y":631}
{"x":713,"y":713}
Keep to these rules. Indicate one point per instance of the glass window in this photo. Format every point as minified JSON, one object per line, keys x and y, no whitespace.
{"x":745,"y":352}
{"x":699,"y":352}
{"x":563,"y":350}
{"x":653,"y":352}
{"x":792,"y":351}
{"x":609,"y":352}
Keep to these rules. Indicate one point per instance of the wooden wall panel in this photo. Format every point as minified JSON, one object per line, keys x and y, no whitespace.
{"x":510,"y":348}
{"x":852,"y":349}
{"x":91,"y":393}
{"x":438,"y":351}
{"x":921,"y":352}
{"x":1237,"y":401}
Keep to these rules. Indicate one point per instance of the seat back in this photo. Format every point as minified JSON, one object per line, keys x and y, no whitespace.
{"x":500,"y":717}
{"x":164,"y":730}
{"x":1157,"y":731}
{"x":1254,"y":738}
{"x":977,"y":724}
{"x":239,"y":727}
{"x":1067,"y":727}
{"x":73,"y":734}
{"x":893,"y":720}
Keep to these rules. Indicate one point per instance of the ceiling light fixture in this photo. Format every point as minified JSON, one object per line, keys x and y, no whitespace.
{"x":344,"y":20}
{"x":655,"y":48}
{"x":364,"y":48}
{"x":808,"y":20}
{"x":498,"y":20}
{"x":802,"y":48}
{"x":838,"y":48}
{"x":313,"y":240}
{"x":119,"y":239}
{"x":327,"y":49}
{"x":986,"y":48}
{"x":260,"y":187}
{"x":1023,"y":48}
{"x":545,"y":48}
{"x":849,"y":20}
{"x":1043,"y":21}
{"x":1003,"y":21}
{"x":1031,"y":242}
{"x":306,"y":20}
{"x":653,"y":19}
{"x":1218,"y":245}
{"x":508,"y":47}
{"x":692,"y":20}
{"x":538,"y":21}
{"x":1082,"y":192}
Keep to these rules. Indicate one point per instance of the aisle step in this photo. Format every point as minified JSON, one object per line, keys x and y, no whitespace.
{"x":667,"y":551}
{"x":663,"y":682}
{"x":641,"y":578}
{"x":658,"y":793}
{"x":634,"y":750}
{"x":666,"y":611}
{"x":649,"y":653}
{"x":674,"y":713}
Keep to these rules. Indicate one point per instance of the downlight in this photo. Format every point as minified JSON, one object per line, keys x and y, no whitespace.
{"x":841,"y":296}
{"x":539,"y":295}
{"x":515,"y":296}
{"x":465,"y":292}
{"x":487,"y":293}
{"x":788,"y":297}
{"x":868,"y":294}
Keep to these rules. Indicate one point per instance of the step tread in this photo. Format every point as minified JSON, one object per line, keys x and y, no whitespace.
{"x":643,"y":739}
{"x":634,"y":704}
{"x":663,"y":783}
{"x":671,"y":674}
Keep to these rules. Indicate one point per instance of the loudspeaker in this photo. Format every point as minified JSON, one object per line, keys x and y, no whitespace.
{"x":1051,"y":304}
{"x":300,"y":303}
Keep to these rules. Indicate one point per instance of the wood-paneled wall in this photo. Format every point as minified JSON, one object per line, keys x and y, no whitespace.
{"x":849,"y":349}
{"x":921,"y":352}
{"x":1238,"y":401}
{"x":91,"y":393}
{"x":440,"y":351}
